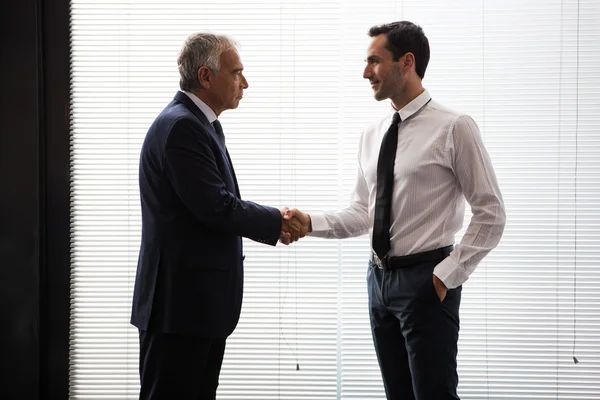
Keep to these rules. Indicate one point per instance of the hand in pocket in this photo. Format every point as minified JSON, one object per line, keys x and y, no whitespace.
{"x":440,"y":288}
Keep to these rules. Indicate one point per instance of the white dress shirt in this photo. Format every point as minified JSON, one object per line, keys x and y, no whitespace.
{"x":440,"y":161}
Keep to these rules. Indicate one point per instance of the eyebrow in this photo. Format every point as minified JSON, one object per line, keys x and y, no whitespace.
{"x":372,"y":58}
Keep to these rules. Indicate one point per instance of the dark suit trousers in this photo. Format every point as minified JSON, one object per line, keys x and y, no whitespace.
{"x":179,"y":367}
{"x":415,"y":334}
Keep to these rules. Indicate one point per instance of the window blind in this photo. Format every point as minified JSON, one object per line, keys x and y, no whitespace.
{"x":528,"y":73}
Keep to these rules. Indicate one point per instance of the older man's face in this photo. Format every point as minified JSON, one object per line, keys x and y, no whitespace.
{"x":228,"y":85}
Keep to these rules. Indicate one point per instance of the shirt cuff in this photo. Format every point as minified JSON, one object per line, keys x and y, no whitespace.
{"x":450,"y":273}
{"x":319,"y":224}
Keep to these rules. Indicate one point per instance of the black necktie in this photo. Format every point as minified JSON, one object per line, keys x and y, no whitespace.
{"x":385,"y":187}
{"x":219,"y":130}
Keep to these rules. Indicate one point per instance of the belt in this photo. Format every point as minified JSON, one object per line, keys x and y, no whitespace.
{"x":395,"y":262}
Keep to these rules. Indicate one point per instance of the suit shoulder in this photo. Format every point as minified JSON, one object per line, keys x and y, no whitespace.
{"x":175,"y":125}
{"x":177,"y":114}
{"x":174,"y":120}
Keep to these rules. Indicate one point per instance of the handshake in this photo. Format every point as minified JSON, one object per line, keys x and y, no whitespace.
{"x":294,"y":225}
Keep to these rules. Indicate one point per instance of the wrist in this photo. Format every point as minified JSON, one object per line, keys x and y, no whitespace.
{"x":438,"y":281}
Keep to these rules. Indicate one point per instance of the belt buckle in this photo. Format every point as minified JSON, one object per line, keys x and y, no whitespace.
{"x":381,"y":264}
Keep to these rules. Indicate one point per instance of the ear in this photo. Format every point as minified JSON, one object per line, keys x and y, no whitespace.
{"x":409,"y":62}
{"x":205,"y":76}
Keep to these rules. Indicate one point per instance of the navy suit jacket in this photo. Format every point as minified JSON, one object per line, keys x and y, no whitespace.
{"x":190,"y":269}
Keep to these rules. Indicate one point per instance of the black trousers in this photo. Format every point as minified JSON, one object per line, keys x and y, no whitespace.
{"x":415,"y":335}
{"x":179,"y":367}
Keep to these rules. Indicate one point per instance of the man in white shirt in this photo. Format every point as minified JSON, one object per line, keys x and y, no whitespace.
{"x":416,"y":168}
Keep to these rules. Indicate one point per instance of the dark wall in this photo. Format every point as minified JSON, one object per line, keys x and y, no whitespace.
{"x":19,"y":202}
{"x":34,"y":199}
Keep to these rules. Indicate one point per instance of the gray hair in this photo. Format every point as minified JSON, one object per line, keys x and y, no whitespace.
{"x":201,"y":49}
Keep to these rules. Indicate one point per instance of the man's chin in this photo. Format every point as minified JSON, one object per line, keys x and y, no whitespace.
{"x":378,"y":96}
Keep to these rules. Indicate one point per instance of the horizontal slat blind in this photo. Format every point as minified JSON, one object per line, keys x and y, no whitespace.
{"x":529,"y":74}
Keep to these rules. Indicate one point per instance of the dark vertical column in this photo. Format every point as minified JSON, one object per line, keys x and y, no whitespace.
{"x":55,"y":205}
{"x":34,"y":199}
{"x":20,"y":123}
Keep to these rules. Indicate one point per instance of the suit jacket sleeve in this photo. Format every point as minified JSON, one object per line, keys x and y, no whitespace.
{"x":190,"y":166}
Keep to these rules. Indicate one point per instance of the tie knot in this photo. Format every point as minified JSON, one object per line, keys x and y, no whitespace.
{"x":396,"y":119}
{"x":218,"y":127}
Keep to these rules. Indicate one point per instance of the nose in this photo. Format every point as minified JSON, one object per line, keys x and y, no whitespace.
{"x":244,"y":82}
{"x":367,"y":73}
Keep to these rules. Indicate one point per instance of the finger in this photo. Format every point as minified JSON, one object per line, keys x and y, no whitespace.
{"x":296,"y":224}
{"x":301,"y":227}
{"x":293,"y":213}
{"x":284,"y":238}
{"x":295,"y":235}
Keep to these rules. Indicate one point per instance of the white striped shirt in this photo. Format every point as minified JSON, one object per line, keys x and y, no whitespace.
{"x":440,"y":161}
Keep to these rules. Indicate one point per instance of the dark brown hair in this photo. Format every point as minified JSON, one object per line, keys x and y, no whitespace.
{"x":405,"y":37}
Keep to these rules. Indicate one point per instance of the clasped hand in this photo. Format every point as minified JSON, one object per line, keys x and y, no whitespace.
{"x":294,"y":225}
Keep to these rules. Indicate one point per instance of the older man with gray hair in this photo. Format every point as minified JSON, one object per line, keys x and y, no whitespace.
{"x":188,"y":288}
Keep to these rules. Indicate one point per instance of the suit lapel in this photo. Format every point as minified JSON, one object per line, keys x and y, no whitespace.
{"x":183,"y":98}
{"x":237,"y":188}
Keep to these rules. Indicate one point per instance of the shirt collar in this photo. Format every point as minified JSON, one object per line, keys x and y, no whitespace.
{"x":414,"y":106}
{"x":206,"y":110}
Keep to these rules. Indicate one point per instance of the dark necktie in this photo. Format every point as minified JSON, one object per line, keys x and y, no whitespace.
{"x":219,"y":130}
{"x":385,"y":188}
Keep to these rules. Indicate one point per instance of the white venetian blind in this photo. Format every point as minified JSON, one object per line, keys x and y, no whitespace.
{"x":527,"y":71}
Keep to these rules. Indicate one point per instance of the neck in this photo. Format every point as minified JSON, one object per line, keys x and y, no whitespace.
{"x":408,"y":94}
{"x":207,"y":99}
